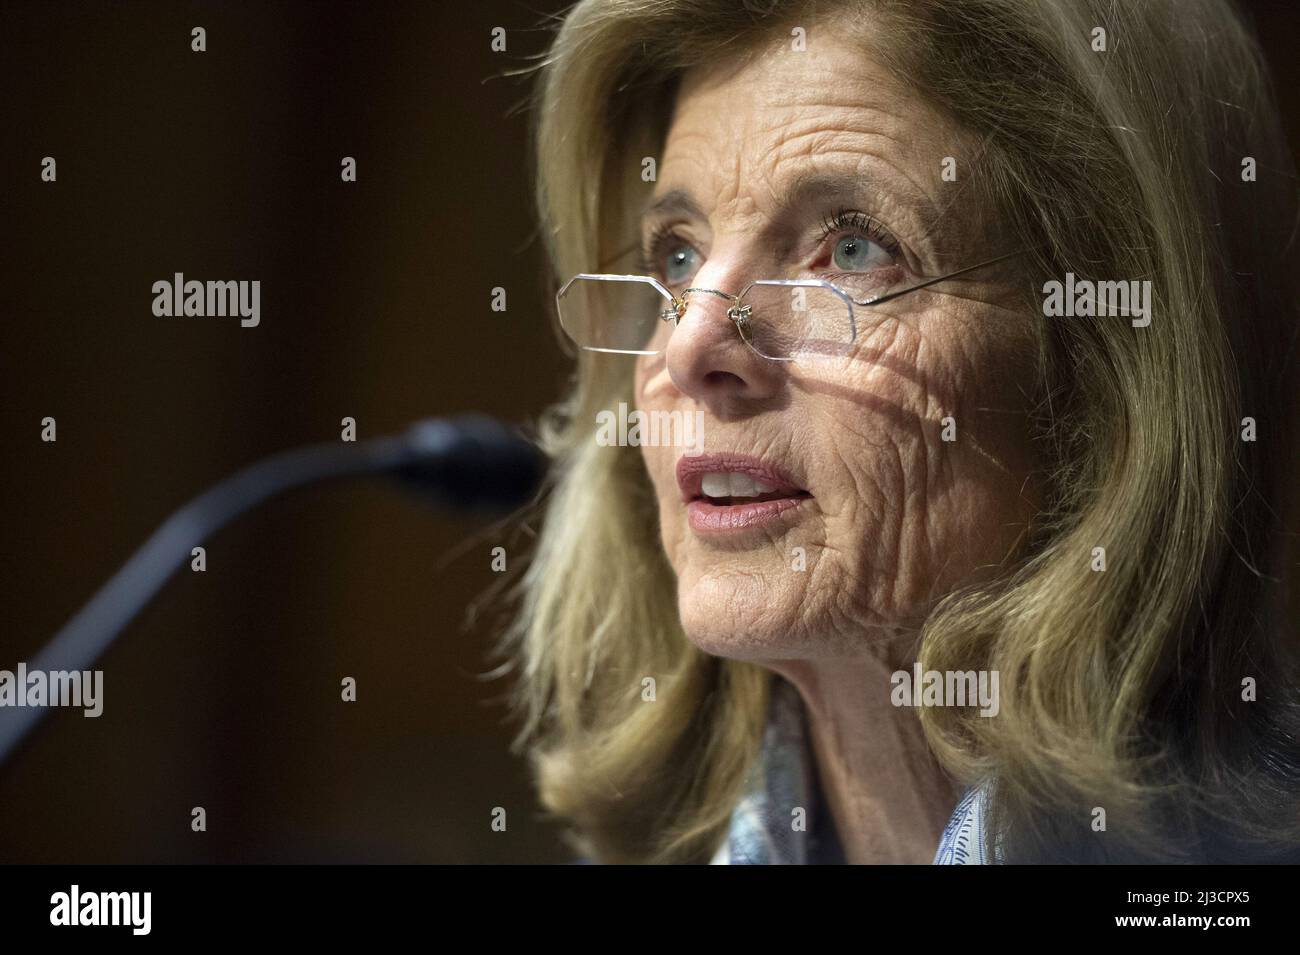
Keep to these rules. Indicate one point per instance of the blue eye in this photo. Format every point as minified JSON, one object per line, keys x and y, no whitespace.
{"x":853,"y":253}
{"x":679,"y":265}
{"x":862,"y":244}
{"x":669,"y":257}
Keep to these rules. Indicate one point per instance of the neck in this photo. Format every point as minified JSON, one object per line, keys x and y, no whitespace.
{"x":887,"y":795}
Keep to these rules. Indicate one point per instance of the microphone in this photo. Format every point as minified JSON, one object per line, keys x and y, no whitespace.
{"x":471,"y":463}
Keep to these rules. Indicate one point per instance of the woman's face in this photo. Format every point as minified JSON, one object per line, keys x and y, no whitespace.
{"x":869,"y":513}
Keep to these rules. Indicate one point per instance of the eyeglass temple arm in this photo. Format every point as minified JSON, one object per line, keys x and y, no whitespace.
{"x":942,"y":278}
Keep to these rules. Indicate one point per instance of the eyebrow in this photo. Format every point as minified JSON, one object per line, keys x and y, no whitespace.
{"x":675,"y":202}
{"x":806,"y":187}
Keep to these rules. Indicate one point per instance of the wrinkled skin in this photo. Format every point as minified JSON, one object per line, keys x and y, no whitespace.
{"x":898,"y":516}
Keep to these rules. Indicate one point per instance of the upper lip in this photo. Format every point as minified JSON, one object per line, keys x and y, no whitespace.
{"x":692,"y":468}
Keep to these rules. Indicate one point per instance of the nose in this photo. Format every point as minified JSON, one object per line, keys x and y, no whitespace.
{"x":708,"y":360}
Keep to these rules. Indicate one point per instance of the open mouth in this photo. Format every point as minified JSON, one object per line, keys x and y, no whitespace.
{"x":735,"y":492}
{"x":733,"y":488}
{"x":738,"y":501}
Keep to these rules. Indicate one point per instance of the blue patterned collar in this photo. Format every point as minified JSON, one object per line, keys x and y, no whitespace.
{"x":782,"y":818}
{"x":962,"y":842}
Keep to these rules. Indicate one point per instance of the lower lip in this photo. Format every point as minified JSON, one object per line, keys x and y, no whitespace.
{"x":733,"y":518}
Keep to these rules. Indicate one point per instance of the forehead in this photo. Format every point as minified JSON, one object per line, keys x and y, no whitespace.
{"x":747,"y":129}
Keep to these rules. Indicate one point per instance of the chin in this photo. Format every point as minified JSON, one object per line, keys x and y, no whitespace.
{"x":741,"y":614}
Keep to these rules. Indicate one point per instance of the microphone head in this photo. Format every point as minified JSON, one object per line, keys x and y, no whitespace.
{"x":472,"y":462}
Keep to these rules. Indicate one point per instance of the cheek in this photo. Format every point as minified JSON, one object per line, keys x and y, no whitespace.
{"x":922,"y":464}
{"x":873,"y":460}
{"x":660,"y":461}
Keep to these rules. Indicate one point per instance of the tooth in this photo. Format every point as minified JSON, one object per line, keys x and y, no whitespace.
{"x":716,"y":485}
{"x":733,"y":484}
{"x":743,"y":485}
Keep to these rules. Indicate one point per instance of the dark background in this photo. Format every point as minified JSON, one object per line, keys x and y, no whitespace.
{"x":376,"y":295}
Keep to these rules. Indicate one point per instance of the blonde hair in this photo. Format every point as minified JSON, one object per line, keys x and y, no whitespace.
{"x":1121,"y":689}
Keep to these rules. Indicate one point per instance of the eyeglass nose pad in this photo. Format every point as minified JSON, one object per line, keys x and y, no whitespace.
{"x":675,"y":311}
{"x":739,"y":315}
